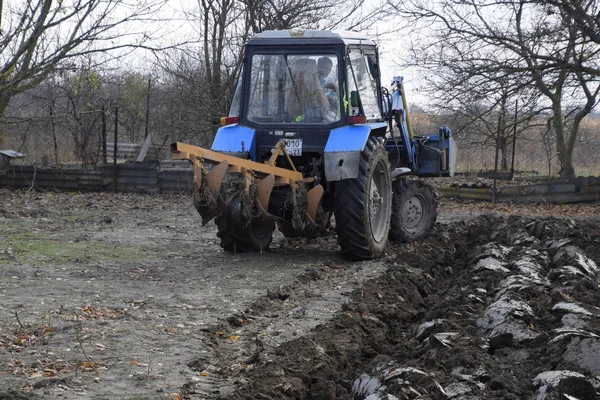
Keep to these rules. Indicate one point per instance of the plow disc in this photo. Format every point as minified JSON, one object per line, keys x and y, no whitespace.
{"x":225,"y":184}
{"x":206,"y":197}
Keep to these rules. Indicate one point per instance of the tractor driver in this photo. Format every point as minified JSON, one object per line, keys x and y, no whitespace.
{"x":306,"y":98}
{"x":324,"y":67}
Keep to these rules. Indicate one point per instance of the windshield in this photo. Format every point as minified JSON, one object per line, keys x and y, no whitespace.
{"x":294,"y":88}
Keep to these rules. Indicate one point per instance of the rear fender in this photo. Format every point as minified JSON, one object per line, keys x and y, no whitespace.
{"x":235,"y":140}
{"x":342,"y":151}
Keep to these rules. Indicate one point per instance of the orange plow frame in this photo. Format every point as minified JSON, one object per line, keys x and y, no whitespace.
{"x":264,"y":175}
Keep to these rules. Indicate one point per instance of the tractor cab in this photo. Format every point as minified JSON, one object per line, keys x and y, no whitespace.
{"x":301,"y":85}
{"x":295,"y":78}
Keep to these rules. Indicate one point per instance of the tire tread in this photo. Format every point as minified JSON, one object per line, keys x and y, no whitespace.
{"x":350,"y":208}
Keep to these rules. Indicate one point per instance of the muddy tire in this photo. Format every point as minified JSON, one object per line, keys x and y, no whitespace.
{"x":363,"y":205}
{"x":414,"y":210}
{"x":239,"y":235}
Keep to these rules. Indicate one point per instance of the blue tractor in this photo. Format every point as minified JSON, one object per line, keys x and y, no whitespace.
{"x":312,"y":133}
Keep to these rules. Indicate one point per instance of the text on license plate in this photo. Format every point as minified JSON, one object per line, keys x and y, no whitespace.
{"x":293,"y":147}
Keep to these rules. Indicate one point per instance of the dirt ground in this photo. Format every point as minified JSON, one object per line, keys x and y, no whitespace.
{"x":106,"y":296}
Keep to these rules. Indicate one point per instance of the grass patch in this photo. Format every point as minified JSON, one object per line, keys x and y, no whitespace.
{"x":22,"y":246}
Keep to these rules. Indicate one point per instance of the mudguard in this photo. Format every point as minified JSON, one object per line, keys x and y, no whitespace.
{"x":235,"y":140}
{"x":342,"y":151}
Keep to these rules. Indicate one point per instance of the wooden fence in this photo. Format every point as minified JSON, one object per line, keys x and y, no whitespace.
{"x":140,"y":177}
{"x":177,"y":177}
{"x":576,"y":190}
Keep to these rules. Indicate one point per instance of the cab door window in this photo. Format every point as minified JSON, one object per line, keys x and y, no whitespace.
{"x":362,"y":87}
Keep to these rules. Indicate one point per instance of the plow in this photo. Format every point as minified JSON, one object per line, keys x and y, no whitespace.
{"x":241,"y":190}
{"x":311,"y":135}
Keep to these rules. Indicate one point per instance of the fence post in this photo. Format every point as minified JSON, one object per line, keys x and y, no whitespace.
{"x":496,"y":160}
{"x":115,"y":150}
{"x":147,"y":110}
{"x":512,"y":164}
{"x":104,"y":151}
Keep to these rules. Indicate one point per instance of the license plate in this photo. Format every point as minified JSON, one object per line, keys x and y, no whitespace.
{"x":293,"y":147}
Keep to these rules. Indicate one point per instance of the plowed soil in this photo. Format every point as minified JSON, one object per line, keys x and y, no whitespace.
{"x":107,"y":296}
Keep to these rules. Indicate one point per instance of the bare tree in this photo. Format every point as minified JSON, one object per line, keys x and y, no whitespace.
{"x":82,"y":108}
{"x":132,"y":104}
{"x":38,"y":37}
{"x":584,"y":15}
{"x":182,"y":105}
{"x":224,"y":29}
{"x":475,"y":48}
{"x":309,"y":14}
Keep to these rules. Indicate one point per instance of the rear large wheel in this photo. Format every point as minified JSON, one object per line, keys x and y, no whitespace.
{"x":363,"y":205}
{"x":238,"y":234}
{"x":414,"y":210}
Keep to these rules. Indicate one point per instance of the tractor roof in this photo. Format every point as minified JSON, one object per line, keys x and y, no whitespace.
{"x":310,"y":36}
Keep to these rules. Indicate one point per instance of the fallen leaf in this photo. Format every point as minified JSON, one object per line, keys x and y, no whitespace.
{"x":88,"y":309}
{"x":133,"y":362}
{"x":86,"y":364}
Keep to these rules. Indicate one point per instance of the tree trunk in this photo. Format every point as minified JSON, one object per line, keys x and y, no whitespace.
{"x":502,"y":133}
{"x":4,"y":99}
{"x":565,"y":153}
{"x":566,"y":165}
{"x":53,"y":127}
{"x":2,"y":108}
{"x":504,"y":150}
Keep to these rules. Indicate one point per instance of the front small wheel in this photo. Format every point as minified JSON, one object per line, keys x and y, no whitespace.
{"x":414,"y":210}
